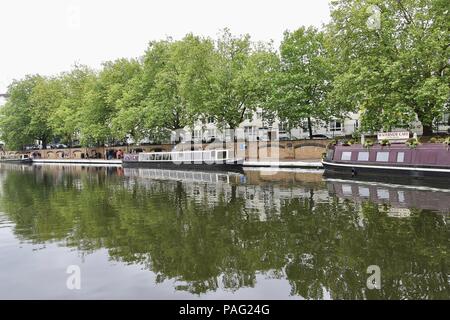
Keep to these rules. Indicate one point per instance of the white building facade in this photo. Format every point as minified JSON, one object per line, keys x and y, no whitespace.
{"x":254,"y":128}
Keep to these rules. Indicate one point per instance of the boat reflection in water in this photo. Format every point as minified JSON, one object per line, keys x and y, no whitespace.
{"x":143,"y":234}
{"x":400,"y":198}
{"x":178,"y":175}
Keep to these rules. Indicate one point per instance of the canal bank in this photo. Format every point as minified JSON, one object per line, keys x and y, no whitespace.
{"x":293,"y":150}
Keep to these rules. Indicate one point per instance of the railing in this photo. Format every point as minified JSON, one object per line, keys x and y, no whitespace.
{"x":187,"y":176}
{"x":131,"y":157}
{"x":13,"y":157}
{"x":185,"y":156}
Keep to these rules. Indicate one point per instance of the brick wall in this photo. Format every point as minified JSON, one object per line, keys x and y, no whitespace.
{"x":253,"y":150}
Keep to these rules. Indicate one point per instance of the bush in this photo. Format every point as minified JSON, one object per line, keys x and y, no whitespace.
{"x":385,"y":142}
{"x":346,"y":143}
{"x":412,"y":143}
{"x":433,"y":140}
{"x":368,"y":143}
{"x":446,"y":141}
{"x":332,"y":143}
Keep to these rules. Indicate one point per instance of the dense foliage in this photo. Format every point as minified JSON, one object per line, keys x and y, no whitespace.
{"x":388,"y":60}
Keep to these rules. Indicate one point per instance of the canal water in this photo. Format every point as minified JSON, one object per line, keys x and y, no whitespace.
{"x":145,"y":234}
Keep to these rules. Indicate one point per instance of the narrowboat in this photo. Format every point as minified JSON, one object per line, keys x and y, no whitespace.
{"x":209,"y":160}
{"x":428,"y":160}
{"x":20,"y":159}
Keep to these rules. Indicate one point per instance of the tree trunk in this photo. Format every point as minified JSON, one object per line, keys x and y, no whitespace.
{"x":44,"y":143}
{"x":427,"y":130}
{"x":427,"y":125}
{"x":310,"y":128}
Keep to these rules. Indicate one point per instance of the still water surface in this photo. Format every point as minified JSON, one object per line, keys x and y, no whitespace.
{"x":144,"y":234}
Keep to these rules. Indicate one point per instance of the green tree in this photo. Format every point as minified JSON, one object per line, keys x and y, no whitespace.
{"x":179,"y":72}
{"x":304,"y":80}
{"x":15,"y":115}
{"x":25,"y":117}
{"x":107,"y":103}
{"x":240,"y":78}
{"x":394,"y":60}
{"x":94,"y":116}
{"x":116,"y":78}
{"x":67,"y":121}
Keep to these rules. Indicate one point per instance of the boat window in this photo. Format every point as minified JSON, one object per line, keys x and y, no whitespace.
{"x":346,"y":156}
{"x":363,"y":156}
{"x":221,"y":155}
{"x":383,"y":194}
{"x":346,"y":189}
{"x":401,"y":196}
{"x":400,"y":157}
{"x":152,"y":157}
{"x":382,"y":156}
{"x":158,"y":157}
{"x":364,"y":192}
{"x":197,"y":156}
{"x":213,"y":155}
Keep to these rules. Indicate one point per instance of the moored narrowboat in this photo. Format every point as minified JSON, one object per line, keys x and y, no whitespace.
{"x":428,"y":160}
{"x":216,"y":160}
{"x":21,"y":159}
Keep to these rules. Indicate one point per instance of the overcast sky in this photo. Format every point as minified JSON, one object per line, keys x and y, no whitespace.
{"x":49,"y":36}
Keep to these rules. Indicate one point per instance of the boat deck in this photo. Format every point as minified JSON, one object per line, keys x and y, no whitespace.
{"x":79,"y":161}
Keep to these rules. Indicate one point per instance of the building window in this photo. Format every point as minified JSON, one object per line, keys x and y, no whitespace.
{"x":335,"y":126}
{"x":249,"y":130}
{"x":346,"y":156}
{"x":382,"y":156}
{"x":283,"y":126}
{"x":363,"y":156}
{"x":211,"y":133}
{"x":211,"y":119}
{"x":400,"y":157}
{"x":259,"y":115}
{"x":197,"y":134}
{"x":248,"y":116}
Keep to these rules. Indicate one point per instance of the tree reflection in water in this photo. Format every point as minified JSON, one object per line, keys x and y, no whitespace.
{"x":220,"y":235}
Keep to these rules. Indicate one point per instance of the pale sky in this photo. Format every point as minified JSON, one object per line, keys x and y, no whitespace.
{"x":49,"y":36}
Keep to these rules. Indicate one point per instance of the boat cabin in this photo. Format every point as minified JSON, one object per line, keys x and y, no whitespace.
{"x":185,"y":156}
{"x":428,"y":154}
